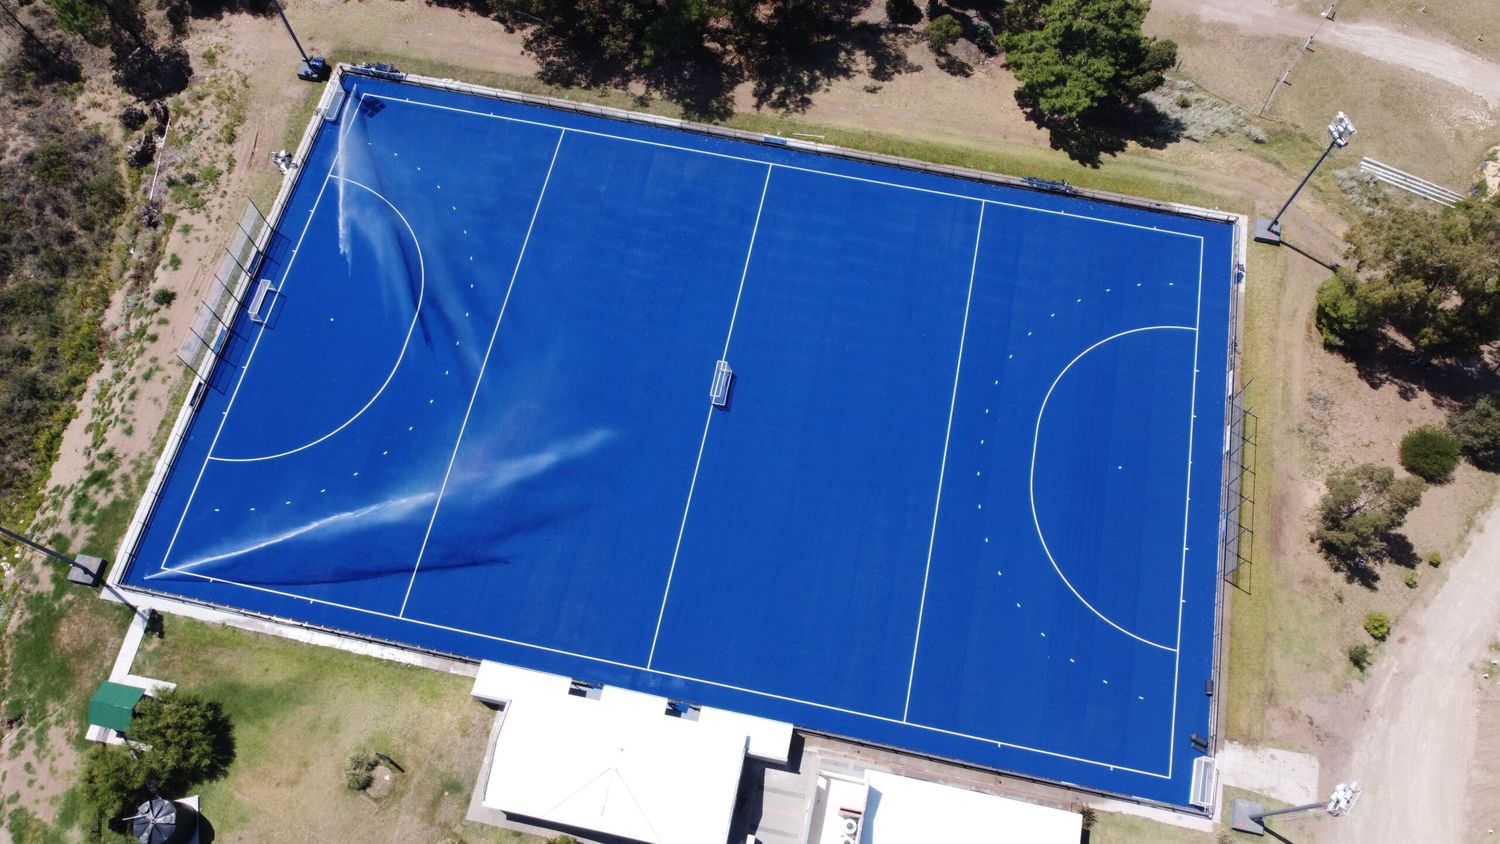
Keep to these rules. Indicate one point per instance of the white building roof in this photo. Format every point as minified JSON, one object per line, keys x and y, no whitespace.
{"x":901,"y":810}
{"x":618,"y":764}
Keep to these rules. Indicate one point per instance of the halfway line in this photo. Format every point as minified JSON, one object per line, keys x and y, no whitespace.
{"x":479,"y":379}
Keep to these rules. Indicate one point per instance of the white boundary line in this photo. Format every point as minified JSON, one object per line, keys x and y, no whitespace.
{"x":724,"y":355}
{"x":1186,"y":512}
{"x":617,"y":664}
{"x":410,"y":329}
{"x":814,"y":704}
{"x":245,"y":369}
{"x":1031,"y":480}
{"x":479,"y":379}
{"x":958,"y":366}
{"x":812,"y":170}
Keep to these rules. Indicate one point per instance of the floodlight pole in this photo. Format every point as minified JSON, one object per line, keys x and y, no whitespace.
{"x":1249,"y":816}
{"x":71,"y":561}
{"x":1340,"y":131}
{"x":288,"y":25}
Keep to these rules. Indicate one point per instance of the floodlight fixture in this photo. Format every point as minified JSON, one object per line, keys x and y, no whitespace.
{"x":1250,"y":816}
{"x":1340,"y":132}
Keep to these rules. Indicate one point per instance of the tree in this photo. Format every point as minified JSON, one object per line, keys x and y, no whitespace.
{"x":1362,"y":506}
{"x":1075,"y":56}
{"x":1478,"y":430}
{"x":191,"y":739}
{"x":1430,"y":453}
{"x":1432,"y":277}
{"x":902,"y":11}
{"x":944,"y":33}
{"x":1346,"y":316}
{"x":112,"y":781}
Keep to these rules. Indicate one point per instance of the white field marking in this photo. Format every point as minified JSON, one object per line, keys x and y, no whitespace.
{"x":812,"y":170}
{"x":479,"y":379}
{"x":958,"y":366}
{"x":410,"y":329}
{"x":1031,"y":481}
{"x":693,"y":484}
{"x":255,"y":344}
{"x":729,"y":686}
{"x":1186,"y":509}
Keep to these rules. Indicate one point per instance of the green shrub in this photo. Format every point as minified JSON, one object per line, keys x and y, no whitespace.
{"x":358,"y":773}
{"x":1378,"y":625}
{"x":1430,"y":453}
{"x":1411,"y":580}
{"x":1478,"y":430}
{"x":1361,"y":657}
{"x":902,"y":11}
{"x":1434,"y":558}
{"x":944,"y":33}
{"x":163,"y":297}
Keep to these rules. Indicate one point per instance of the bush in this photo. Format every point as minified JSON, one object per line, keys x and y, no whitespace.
{"x":944,"y":33}
{"x":1411,"y":580}
{"x":1430,"y":453}
{"x":902,"y":11}
{"x":1378,"y":625}
{"x":1361,"y":657}
{"x":1477,"y":428}
{"x":358,"y":774}
{"x":1434,"y":558}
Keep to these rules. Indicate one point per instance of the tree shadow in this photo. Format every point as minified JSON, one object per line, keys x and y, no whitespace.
{"x":806,"y":46}
{"x":1364,"y":568}
{"x":1449,"y":383}
{"x":1105,"y":130}
{"x":216,"y":9}
{"x":954,"y":66}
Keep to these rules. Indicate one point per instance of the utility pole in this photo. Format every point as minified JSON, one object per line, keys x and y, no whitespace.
{"x":1340,"y":131}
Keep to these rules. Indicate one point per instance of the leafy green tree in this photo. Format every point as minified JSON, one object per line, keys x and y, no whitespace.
{"x":1347,"y":317}
{"x":1432,"y":277}
{"x":1430,"y":453}
{"x":902,"y":11}
{"x":1478,"y":430}
{"x":1073,"y":56}
{"x":112,"y":781}
{"x":191,"y":738}
{"x":1362,"y":506}
{"x":944,"y":33}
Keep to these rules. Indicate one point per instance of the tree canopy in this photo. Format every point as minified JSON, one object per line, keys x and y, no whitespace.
{"x":1362,"y":507}
{"x":1074,"y":56}
{"x":1432,"y":278}
{"x":1478,"y":430}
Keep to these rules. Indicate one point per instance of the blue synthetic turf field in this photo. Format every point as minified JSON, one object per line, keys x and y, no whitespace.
{"x":964,"y":500}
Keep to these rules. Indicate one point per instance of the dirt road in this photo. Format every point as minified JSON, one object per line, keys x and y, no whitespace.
{"x":1435,"y":58}
{"x":1420,"y":719}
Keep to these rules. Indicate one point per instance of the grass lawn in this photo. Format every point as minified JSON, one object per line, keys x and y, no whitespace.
{"x":1128,"y":829}
{"x":299,"y":711}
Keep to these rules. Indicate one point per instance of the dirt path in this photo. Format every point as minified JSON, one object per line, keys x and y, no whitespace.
{"x":1421,"y":720}
{"x":1435,"y":58}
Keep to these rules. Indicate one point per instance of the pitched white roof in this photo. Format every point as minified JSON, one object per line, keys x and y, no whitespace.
{"x":618,"y":764}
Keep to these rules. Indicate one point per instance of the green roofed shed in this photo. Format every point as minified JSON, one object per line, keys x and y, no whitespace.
{"x":114,"y":705}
